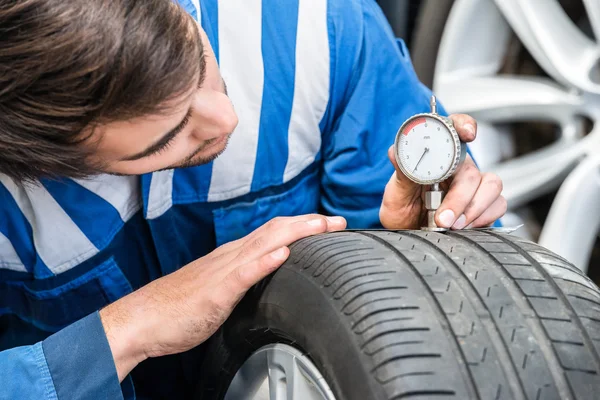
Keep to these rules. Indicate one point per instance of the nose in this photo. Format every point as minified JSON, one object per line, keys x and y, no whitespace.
{"x":214,"y":116}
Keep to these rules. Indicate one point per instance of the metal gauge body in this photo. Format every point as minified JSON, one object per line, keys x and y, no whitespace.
{"x":428,"y":150}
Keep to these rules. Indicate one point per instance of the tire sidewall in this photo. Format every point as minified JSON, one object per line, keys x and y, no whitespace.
{"x":290,"y":308}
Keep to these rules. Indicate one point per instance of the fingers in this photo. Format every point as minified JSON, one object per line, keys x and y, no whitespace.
{"x":283,"y":231}
{"x":463,"y":188}
{"x":401,"y":204}
{"x":465,"y":126}
{"x":487,"y":194}
{"x":491,"y":214}
{"x":247,"y":275}
{"x":228,"y":251}
{"x":268,"y":251}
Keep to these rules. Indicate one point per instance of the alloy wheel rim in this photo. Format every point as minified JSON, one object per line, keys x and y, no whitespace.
{"x":279,"y":372}
{"x":467,"y":79}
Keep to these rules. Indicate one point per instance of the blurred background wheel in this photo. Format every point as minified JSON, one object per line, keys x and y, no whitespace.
{"x":411,"y":315}
{"x":529,"y":72}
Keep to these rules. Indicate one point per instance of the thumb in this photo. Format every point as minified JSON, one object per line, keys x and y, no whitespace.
{"x":403,"y":182}
{"x":401,"y":205}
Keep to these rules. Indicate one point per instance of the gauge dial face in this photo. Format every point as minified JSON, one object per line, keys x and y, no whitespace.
{"x":426,"y":150}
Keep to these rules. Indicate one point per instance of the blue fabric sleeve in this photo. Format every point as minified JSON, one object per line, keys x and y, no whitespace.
{"x":80,"y":362}
{"x":74,"y":363}
{"x":374,"y":89}
{"x":24,"y":374}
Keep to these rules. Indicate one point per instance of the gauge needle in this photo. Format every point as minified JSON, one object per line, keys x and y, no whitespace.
{"x":421,"y":159}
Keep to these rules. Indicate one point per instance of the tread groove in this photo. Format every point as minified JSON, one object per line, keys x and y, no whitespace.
{"x":590,"y":318}
{"x":500,"y":345}
{"x":420,"y":373}
{"x":337,"y":268}
{"x":391,"y":331}
{"x":535,"y":325}
{"x":374,"y":301}
{"x":533,"y":296}
{"x":569,"y":307}
{"x":584,"y":298}
{"x":573,"y":282}
{"x":370,"y":291}
{"x":568,"y":342}
{"x":403,"y":357}
{"x":355,"y":286}
{"x":364,"y":317}
{"x":372,"y":353}
{"x":585,"y":371}
{"x":353,"y":270}
{"x":554,"y":319}
{"x":437,"y":309}
{"x":307,"y":254}
{"x":530,"y":279}
{"x":338,"y":245}
{"x":383,"y":322}
{"x":415,"y":393}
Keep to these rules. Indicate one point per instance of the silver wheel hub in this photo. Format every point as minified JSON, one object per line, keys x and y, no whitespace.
{"x":278,"y":372}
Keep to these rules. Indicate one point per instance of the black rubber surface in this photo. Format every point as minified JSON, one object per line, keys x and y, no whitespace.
{"x":427,"y":36}
{"x":416,"y":315}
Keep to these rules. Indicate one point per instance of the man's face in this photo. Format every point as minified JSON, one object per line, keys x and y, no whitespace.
{"x":194,"y":132}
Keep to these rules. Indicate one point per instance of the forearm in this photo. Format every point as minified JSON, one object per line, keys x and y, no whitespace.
{"x":75,"y":362}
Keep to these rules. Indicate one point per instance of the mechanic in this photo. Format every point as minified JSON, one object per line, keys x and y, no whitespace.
{"x":127,"y":232}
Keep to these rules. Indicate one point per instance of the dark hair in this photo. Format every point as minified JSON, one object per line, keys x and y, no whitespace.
{"x":69,"y":65}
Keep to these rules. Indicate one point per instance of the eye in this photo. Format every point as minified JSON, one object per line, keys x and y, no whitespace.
{"x":171,"y":139}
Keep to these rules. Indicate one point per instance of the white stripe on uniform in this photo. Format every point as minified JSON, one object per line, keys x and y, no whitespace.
{"x":160,"y":197}
{"x":9,"y":259}
{"x":198,"y":10}
{"x":311,"y":89}
{"x":241,"y":63}
{"x":58,"y":240}
{"x":122,"y":192}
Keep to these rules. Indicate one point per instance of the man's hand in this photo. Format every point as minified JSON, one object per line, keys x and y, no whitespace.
{"x":179,"y":311}
{"x":472,"y":199}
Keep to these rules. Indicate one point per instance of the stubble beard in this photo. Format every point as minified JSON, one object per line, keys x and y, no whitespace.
{"x":194,"y":160}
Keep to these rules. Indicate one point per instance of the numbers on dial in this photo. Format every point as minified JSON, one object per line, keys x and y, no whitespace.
{"x":422,"y":157}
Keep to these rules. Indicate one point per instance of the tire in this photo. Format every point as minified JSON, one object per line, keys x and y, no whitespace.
{"x":427,"y":37}
{"x":416,"y":315}
{"x":397,"y":13}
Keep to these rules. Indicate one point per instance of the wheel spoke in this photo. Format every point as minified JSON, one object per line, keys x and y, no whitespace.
{"x":302,"y":387}
{"x":290,"y":378}
{"x":572,"y":223}
{"x":537,"y":173}
{"x":593,"y":11}
{"x":557,"y":44}
{"x":248,"y":380}
{"x":505,"y":99}
{"x":530,"y":176}
{"x":471,"y":46}
{"x":278,"y":367}
{"x":502,"y":99}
